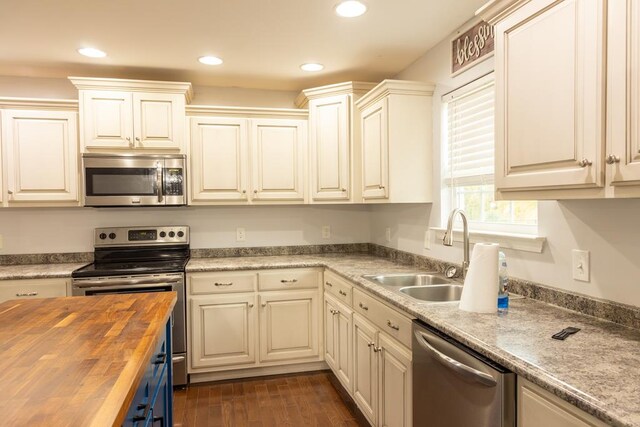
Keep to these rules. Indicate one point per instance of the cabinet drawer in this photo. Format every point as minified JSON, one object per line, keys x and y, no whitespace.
{"x":39,"y":288}
{"x":338,"y":287}
{"x":384,"y":317}
{"x":293,"y":278}
{"x":222,"y":283}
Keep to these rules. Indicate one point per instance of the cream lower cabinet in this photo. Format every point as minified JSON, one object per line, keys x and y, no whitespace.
{"x":338,"y":340}
{"x":33,"y":288}
{"x":382,"y":383}
{"x":289,"y":325}
{"x":253,"y":319}
{"x":223,"y":330}
{"x":539,"y":408}
{"x":40,"y":153}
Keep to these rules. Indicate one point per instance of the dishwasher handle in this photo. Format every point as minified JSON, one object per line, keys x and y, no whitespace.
{"x":456,"y":366}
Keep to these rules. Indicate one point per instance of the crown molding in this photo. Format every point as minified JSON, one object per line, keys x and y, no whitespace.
{"x":244,"y":112}
{"x":38,"y":103}
{"x":345,"y":88}
{"x":93,"y":83}
{"x":395,"y":87}
{"x":496,"y":10}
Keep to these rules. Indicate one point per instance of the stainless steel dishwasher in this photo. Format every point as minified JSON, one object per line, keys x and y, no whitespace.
{"x":453,"y":386}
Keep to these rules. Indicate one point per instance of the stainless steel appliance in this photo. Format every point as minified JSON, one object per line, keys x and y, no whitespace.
{"x":453,"y":386}
{"x":142,"y":259}
{"x":134,"y":180}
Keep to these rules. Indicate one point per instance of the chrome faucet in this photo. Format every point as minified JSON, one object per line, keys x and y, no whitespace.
{"x":448,"y":237}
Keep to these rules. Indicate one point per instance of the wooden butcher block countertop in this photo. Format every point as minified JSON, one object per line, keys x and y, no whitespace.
{"x":76,"y":361}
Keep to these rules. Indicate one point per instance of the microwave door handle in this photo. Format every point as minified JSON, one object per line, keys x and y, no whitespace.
{"x":159,"y":181}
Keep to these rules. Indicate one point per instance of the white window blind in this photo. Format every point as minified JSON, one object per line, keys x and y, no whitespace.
{"x":470,"y":137}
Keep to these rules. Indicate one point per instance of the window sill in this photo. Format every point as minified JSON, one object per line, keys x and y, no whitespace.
{"x":518,"y":242}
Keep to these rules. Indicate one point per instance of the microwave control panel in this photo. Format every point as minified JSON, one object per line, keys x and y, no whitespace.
{"x":173,"y":182}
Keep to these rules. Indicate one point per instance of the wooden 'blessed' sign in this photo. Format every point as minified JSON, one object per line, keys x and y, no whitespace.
{"x":471,"y":46}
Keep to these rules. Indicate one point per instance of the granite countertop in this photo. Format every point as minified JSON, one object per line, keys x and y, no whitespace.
{"x":37,"y":271}
{"x":595,"y":369}
{"x":77,"y":361}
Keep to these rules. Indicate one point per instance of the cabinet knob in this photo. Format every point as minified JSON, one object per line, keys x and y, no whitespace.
{"x":377,"y":349}
{"x":255,"y":191}
{"x":371,"y":344}
{"x":250,"y":305}
{"x":10,"y":192}
{"x":381,"y":187}
{"x":244,"y":191}
{"x":138,"y":138}
{"x":584,"y":163}
{"x":612,"y":159}
{"x":264,"y":304}
{"x":343,"y":190}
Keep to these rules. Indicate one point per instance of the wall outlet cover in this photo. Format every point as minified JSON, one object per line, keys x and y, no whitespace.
{"x":326,"y":232}
{"x":580,"y":265}
{"x":387,"y":234}
{"x":241,"y":235}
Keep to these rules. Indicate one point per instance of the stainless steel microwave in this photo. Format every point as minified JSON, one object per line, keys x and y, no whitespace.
{"x":133,"y":180}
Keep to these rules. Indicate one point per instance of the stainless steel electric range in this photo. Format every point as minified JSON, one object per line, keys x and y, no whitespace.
{"x":142,"y":259}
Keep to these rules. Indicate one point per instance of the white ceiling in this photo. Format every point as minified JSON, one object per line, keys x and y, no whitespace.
{"x":262,"y":42}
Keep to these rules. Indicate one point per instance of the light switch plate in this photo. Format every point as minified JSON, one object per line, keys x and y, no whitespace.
{"x":580,"y":265}
{"x":387,"y":234}
{"x":427,"y":239}
{"x":326,"y":232}
{"x":0,"y":241}
{"x":241,"y":235}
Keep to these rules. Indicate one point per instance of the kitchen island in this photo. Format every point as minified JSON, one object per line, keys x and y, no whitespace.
{"x":80,"y":361}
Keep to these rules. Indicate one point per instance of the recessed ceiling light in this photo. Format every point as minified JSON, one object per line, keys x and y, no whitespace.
{"x":91,"y":52}
{"x":311,"y":67}
{"x":351,"y":9}
{"x":210,"y":60}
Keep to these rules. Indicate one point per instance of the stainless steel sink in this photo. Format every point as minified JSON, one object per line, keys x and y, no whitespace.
{"x":434,"y":293}
{"x":405,"y":280}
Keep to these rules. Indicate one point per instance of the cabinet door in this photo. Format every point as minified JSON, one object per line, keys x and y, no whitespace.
{"x":344,"y":345}
{"x":365,"y":372}
{"x":219,"y":159}
{"x":278,"y":151}
{"x":158,"y":120}
{"x":375,"y":151}
{"x":330,"y":148}
{"x":330,"y":333}
{"x":550,"y":107}
{"x":223,"y":330}
{"x":41,"y":149}
{"x":624,"y":93}
{"x":288,"y":325}
{"x":394,"y":384}
{"x":107,"y":120}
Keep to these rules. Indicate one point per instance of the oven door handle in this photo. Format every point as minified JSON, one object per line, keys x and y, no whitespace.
{"x":129,"y":283}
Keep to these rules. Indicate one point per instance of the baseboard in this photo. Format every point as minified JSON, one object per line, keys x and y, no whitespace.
{"x":257,"y":372}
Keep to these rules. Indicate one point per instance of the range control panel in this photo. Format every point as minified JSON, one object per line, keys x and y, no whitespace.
{"x":141,"y":236}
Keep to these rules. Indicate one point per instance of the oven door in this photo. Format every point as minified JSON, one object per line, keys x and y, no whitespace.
{"x":123,"y":181}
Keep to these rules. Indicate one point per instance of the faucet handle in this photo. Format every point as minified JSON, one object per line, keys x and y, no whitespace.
{"x":451,"y":271}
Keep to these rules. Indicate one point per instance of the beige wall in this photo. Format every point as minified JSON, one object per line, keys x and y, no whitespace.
{"x":607,"y":228}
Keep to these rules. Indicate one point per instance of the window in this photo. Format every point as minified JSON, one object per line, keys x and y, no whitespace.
{"x":468,"y":163}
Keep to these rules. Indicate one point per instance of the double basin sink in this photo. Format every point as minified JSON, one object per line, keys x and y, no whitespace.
{"x":422,"y":287}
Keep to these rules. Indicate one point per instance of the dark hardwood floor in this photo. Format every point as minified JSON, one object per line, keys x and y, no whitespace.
{"x":308,"y":399}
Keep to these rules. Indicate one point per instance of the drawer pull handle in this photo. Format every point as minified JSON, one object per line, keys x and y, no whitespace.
{"x":328,"y":284}
{"x":392,"y":326}
{"x":160,"y":359}
{"x":223,"y":284}
{"x":27,"y":294}
{"x":289,"y":281}
{"x":344,"y":294}
{"x":362,"y":306}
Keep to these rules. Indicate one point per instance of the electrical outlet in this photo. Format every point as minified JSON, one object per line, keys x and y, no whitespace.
{"x":0,"y":241}
{"x":326,"y":232}
{"x":387,"y":234}
{"x":580,"y":265}
{"x":241,"y":235}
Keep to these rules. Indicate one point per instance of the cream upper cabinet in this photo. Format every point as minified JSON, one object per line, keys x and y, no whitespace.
{"x":289,"y":322}
{"x":223,"y":330}
{"x":219,"y":160}
{"x":278,"y":150}
{"x":550,"y":95}
{"x":40,"y":154}
{"x":395,"y":121}
{"x":132,"y":115}
{"x":334,"y":141}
